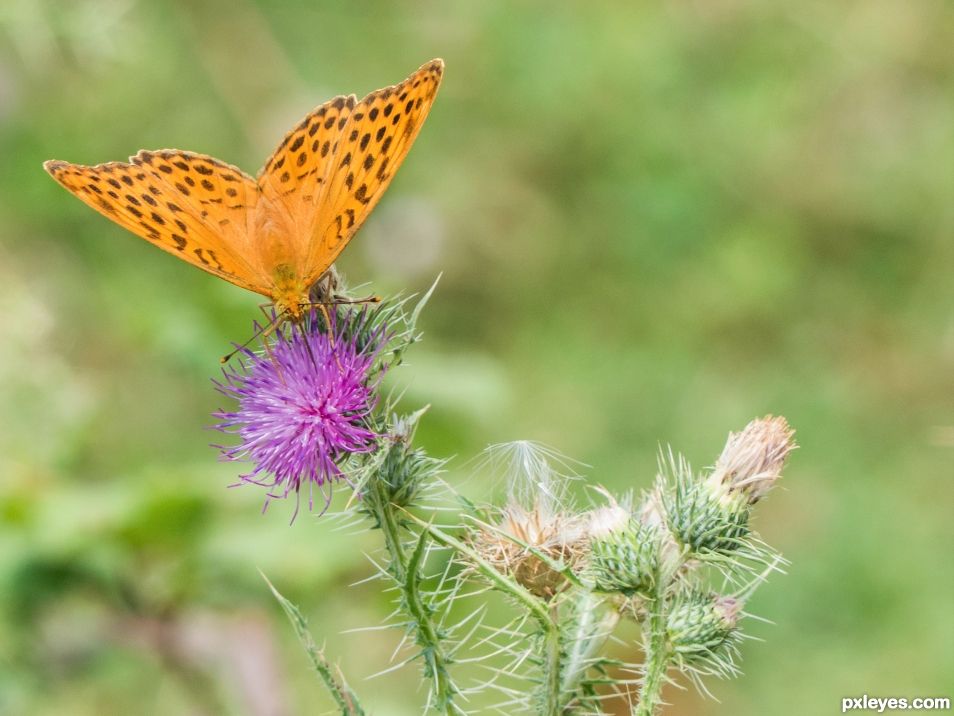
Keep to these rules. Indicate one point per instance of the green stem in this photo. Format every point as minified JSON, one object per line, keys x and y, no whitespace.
{"x":658,"y":657}
{"x":392,"y":534}
{"x":591,"y":627}
{"x":427,"y":634}
{"x":406,"y":572}
{"x":546,"y":618}
{"x":552,"y":669}
{"x":500,"y":581}
{"x":344,"y":697}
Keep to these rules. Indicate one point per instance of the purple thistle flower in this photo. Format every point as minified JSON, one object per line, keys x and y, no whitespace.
{"x":304,"y":405}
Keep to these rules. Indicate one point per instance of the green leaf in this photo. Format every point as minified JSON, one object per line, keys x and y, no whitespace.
{"x":332,"y":677}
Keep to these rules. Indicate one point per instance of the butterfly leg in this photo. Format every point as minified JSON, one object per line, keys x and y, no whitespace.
{"x":323,"y":307}
{"x":344,"y":300}
{"x":268,"y":348}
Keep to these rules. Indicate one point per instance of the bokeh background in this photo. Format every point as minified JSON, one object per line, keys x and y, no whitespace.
{"x":654,"y":222}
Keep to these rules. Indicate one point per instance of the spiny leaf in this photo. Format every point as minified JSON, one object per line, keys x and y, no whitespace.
{"x":332,"y":677}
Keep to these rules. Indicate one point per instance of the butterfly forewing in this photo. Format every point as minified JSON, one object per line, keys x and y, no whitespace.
{"x":373,"y":144}
{"x":294,"y":179}
{"x":181,"y":202}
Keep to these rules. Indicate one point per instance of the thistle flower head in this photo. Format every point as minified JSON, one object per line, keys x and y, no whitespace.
{"x":710,"y":514}
{"x":752,"y":460}
{"x":304,"y":405}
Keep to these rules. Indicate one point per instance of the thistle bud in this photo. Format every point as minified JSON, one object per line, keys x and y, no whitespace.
{"x":406,"y":470}
{"x":705,"y":521}
{"x":702,"y":626}
{"x":752,"y":460}
{"x":712,"y":514}
{"x":623,"y":551}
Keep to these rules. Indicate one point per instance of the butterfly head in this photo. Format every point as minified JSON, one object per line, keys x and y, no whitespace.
{"x":292,"y":307}
{"x":290,"y":294}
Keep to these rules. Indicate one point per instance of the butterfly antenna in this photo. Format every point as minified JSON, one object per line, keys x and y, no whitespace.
{"x":263,"y":330}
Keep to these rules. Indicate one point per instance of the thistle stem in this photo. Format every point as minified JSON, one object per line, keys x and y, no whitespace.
{"x":406,"y":572}
{"x":503,"y":583}
{"x":658,"y":657}
{"x":550,"y":643}
{"x":553,"y":667}
{"x":590,"y":629}
{"x":392,"y":534}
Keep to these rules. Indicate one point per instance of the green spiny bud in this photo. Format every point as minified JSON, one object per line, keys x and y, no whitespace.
{"x":702,"y":626}
{"x":406,"y":471}
{"x":623,"y":552}
{"x":711,"y":514}
{"x":704,"y":518}
{"x":400,"y":472}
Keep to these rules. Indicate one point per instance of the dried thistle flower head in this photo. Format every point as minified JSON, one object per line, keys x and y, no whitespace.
{"x":752,"y":460}
{"x":514,"y":544}
{"x":535,"y":518}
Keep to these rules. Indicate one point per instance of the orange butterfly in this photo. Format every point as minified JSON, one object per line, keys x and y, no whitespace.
{"x":278,"y":234}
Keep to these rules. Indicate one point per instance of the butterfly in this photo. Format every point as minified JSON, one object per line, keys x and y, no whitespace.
{"x":279,"y":233}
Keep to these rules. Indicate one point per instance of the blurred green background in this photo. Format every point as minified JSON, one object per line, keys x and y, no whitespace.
{"x":654,"y":223}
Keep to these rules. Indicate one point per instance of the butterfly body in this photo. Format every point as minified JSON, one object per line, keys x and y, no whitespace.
{"x":277,"y":234}
{"x":290,"y":294}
